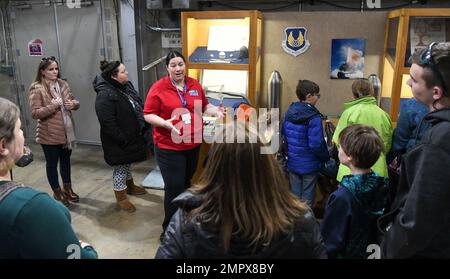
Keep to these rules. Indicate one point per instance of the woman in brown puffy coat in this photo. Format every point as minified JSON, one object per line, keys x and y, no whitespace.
{"x":51,"y":102}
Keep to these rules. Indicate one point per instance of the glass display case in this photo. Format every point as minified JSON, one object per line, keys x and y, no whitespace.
{"x":406,"y":31}
{"x":223,"y":52}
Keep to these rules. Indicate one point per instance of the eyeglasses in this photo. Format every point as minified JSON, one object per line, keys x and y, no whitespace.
{"x":426,"y":59}
{"x":50,"y":58}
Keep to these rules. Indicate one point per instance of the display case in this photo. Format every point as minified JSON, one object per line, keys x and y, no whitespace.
{"x":223,"y":52}
{"x":406,"y":31}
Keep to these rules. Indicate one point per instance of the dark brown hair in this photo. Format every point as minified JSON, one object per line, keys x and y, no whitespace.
{"x":173,"y":54}
{"x":441,"y":59}
{"x":43,"y":65}
{"x":362,"y":143}
{"x":305,"y":87}
{"x":109,"y":68}
{"x":245,"y":192}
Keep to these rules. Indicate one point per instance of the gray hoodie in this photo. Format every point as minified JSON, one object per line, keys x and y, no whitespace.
{"x":420,"y":217}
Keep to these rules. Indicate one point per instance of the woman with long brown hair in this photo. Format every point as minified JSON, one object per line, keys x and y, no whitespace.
{"x":52,"y":103}
{"x":241,"y":207}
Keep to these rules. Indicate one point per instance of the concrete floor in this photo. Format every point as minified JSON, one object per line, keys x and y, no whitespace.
{"x":96,"y":219}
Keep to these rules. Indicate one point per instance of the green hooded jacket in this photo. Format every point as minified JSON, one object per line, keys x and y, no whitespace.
{"x":365,"y":111}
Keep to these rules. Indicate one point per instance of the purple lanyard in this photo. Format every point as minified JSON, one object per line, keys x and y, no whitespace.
{"x":183,"y":100}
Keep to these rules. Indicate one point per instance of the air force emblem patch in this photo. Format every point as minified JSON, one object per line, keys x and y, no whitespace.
{"x":296,"y":42}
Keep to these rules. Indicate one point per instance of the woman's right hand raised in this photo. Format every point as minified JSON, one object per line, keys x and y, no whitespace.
{"x":168,"y":125}
{"x":57,"y":101}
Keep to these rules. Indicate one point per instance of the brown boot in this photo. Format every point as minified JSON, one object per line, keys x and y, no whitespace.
{"x":69,"y":193}
{"x":59,"y":196}
{"x":123,"y":202}
{"x":133,"y":189}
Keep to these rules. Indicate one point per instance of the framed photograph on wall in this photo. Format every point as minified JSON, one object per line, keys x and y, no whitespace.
{"x":347,"y":58}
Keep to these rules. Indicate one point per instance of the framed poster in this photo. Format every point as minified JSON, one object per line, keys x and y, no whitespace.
{"x":425,"y":30}
{"x":35,"y":48}
{"x":347,"y":58}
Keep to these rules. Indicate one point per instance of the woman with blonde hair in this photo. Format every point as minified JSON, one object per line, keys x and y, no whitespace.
{"x":242,"y":207}
{"x":32,"y":225}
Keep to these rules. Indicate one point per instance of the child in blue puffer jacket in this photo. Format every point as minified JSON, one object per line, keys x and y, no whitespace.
{"x":306,"y":147}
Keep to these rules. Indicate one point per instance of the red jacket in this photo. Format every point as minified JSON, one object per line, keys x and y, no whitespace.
{"x":164,"y":100}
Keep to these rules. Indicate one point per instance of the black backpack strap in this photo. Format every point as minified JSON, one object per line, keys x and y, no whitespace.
{"x":8,"y":187}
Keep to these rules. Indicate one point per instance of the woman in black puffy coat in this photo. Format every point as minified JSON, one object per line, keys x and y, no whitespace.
{"x":242,"y":207}
{"x":122,"y":128}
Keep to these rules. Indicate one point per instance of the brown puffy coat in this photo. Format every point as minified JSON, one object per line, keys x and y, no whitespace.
{"x":50,"y":127}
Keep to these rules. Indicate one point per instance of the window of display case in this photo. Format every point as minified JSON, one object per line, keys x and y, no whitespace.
{"x":425,"y":30}
{"x":223,"y":51}
{"x":406,"y":31}
{"x":223,"y":41}
{"x":392,"y":39}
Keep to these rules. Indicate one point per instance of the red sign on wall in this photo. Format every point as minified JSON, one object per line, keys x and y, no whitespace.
{"x":35,"y":48}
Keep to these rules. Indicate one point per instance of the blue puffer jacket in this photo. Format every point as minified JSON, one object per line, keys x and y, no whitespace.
{"x":302,"y":129}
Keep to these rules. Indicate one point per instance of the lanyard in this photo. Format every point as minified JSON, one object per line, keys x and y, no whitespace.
{"x":182,"y":97}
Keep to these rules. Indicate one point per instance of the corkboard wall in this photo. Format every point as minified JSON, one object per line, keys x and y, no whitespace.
{"x":314,"y":64}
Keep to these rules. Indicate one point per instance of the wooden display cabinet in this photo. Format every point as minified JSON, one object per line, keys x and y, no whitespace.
{"x":407,"y":30}
{"x":196,"y":29}
{"x":237,"y":70}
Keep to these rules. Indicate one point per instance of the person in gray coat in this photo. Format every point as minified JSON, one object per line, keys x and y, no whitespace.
{"x":419,"y":224}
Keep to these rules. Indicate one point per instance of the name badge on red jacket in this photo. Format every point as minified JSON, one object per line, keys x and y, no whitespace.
{"x":193,"y":93}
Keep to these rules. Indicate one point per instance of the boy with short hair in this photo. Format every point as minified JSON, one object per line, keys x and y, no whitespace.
{"x":306,"y":147}
{"x":351,"y":213}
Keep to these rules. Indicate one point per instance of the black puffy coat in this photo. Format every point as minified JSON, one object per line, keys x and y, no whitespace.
{"x":121,"y":132}
{"x":188,"y":240}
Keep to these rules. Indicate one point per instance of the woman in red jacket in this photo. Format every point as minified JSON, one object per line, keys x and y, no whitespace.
{"x":174,"y":108}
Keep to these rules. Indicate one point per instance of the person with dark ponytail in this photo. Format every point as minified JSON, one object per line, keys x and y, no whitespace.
{"x":174,"y":108}
{"x":122,"y":127}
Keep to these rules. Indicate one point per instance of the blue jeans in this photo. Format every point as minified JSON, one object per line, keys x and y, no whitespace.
{"x":304,"y":186}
